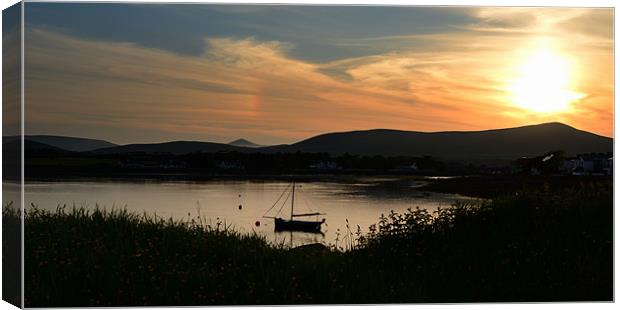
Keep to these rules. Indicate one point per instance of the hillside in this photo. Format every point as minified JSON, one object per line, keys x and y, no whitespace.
{"x":13,"y":146}
{"x":244,"y":143}
{"x":488,"y":146}
{"x":175,"y":147}
{"x":66,"y":143}
{"x":498,"y":146}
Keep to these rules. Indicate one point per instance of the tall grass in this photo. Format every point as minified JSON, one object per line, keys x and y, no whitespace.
{"x":11,"y":254}
{"x":530,"y":246}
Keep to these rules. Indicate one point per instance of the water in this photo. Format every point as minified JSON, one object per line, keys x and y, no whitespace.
{"x":361,"y":201}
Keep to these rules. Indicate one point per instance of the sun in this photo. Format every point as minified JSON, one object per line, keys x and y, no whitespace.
{"x":542,"y":83}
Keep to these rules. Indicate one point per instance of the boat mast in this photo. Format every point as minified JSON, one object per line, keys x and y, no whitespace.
{"x":293,"y":200}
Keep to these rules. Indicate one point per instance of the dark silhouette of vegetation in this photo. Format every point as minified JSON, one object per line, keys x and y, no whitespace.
{"x":529,"y":246}
{"x":11,"y":254}
{"x":534,"y":245}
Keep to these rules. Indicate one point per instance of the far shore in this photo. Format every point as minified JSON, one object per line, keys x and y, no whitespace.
{"x":481,"y":186}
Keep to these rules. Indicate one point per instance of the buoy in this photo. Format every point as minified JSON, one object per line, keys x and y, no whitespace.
{"x":257,"y":223}
{"x":240,"y":207}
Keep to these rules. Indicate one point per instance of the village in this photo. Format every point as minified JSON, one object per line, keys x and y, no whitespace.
{"x":552,"y":163}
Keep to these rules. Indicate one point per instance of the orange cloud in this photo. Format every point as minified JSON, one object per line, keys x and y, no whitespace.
{"x":253,"y":89}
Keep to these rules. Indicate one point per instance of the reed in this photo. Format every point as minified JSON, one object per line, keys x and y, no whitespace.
{"x":533,"y":245}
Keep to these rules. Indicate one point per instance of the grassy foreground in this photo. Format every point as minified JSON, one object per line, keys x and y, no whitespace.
{"x":529,"y":246}
{"x":11,"y":255}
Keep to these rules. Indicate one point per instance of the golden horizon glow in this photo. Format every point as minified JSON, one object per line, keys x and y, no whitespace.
{"x":509,"y":68}
{"x":543,"y":83}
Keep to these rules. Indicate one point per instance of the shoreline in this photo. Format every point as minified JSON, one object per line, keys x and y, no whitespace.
{"x":450,"y":184}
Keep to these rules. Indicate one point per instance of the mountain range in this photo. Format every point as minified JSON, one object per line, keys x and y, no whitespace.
{"x":66,"y":143}
{"x":175,"y":147}
{"x":487,"y":146}
{"x":244,"y":143}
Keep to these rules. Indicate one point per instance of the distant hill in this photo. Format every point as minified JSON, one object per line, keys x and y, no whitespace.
{"x":176,"y":148}
{"x":489,"y":146}
{"x":11,"y":145}
{"x":65,"y":143}
{"x":498,"y":146}
{"x":244,"y":143}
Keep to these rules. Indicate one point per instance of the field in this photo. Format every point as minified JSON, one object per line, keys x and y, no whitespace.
{"x":542,"y":244}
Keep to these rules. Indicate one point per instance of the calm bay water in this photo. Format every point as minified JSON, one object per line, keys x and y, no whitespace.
{"x":361,"y":201}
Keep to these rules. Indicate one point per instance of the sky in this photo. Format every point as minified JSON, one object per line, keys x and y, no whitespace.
{"x":140,"y":73}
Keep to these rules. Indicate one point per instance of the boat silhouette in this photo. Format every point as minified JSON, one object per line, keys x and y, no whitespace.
{"x":292,"y":223}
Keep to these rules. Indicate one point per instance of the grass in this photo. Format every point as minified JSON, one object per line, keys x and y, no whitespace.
{"x":535,"y":245}
{"x":11,"y":254}
{"x":530,"y":246}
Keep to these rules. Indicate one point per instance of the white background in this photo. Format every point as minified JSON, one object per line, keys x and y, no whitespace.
{"x":574,"y":3}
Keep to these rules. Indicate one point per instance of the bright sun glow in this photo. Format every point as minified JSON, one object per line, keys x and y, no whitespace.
{"x":542,"y":83}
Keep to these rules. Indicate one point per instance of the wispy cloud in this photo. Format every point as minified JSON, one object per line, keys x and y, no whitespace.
{"x":246,"y":87}
{"x":238,"y":88}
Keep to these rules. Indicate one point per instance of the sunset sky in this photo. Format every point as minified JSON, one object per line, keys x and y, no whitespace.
{"x":130,"y":73}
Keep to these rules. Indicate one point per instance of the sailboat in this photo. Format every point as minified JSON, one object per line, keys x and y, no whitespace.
{"x":293,"y":224}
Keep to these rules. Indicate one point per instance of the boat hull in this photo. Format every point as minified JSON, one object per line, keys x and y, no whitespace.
{"x":292,"y":225}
